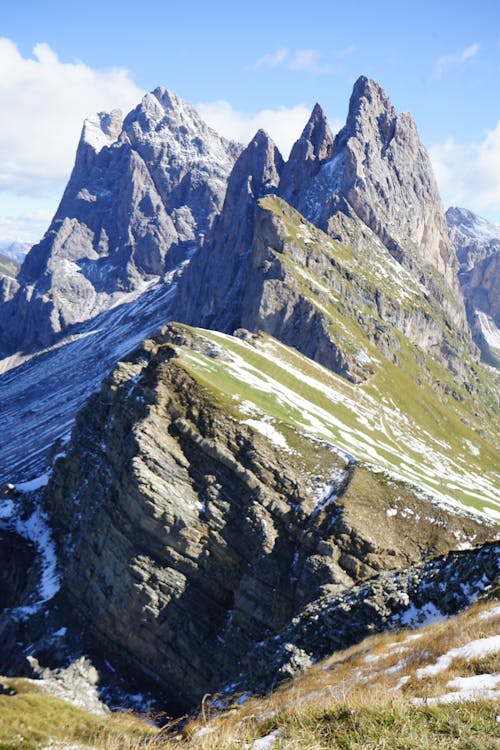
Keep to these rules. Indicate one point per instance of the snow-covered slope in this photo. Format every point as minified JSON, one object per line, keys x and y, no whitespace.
{"x":274,"y":387}
{"x":40,"y":397}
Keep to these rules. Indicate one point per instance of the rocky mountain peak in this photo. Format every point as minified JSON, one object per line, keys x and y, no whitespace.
{"x":369,"y":108}
{"x":317,"y":133}
{"x":313,"y":148}
{"x":138,"y":192}
{"x":261,"y":162}
{"x":381,"y":173}
{"x":102,"y":129}
{"x":210,"y":289}
{"x":477,"y":245}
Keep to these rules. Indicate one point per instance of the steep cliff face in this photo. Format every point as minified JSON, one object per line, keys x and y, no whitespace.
{"x":190,"y":525}
{"x":328,"y":298}
{"x":313,"y":149}
{"x":477,"y":245}
{"x":209,"y":293}
{"x":143,"y":194}
{"x":382,"y":262}
{"x":380,"y":173}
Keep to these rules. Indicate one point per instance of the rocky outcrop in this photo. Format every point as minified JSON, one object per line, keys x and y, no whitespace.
{"x":373,"y":192}
{"x":186,"y":537}
{"x":17,"y":561}
{"x":430,"y":590}
{"x":209,"y":293}
{"x":477,"y":245}
{"x":142,"y":195}
{"x":380,"y":173}
{"x":313,"y":149}
{"x":323,"y":298}
{"x":473,"y":238}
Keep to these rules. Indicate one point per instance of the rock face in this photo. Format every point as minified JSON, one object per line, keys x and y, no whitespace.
{"x":186,"y":537}
{"x":313,"y":149}
{"x":209,"y":293}
{"x":477,"y":245}
{"x":372,"y":190}
{"x":394,"y":599}
{"x":380,"y":173}
{"x":143,"y":193}
{"x":321,"y":297}
{"x":473,"y":237}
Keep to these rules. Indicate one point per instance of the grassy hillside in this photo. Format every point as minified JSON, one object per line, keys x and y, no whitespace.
{"x":388,"y":422}
{"x":436,"y":688}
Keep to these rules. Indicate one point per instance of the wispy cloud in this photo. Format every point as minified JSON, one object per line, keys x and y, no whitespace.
{"x":470,"y":51}
{"x":447,"y":61}
{"x":468,"y":174}
{"x":345,"y":52}
{"x":302,"y":60}
{"x":283,"y":124}
{"x":272,"y":59}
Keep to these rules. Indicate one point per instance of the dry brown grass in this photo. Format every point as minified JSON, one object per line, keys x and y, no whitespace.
{"x":350,"y":701}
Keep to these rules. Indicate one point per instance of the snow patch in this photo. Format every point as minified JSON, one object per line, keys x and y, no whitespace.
{"x":267,"y":742}
{"x":36,"y":530}
{"x":424,"y":615}
{"x":34,"y":484}
{"x":474,"y":650}
{"x":269,"y":431}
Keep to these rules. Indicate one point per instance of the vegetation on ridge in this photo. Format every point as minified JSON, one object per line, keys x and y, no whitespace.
{"x":371,"y":696}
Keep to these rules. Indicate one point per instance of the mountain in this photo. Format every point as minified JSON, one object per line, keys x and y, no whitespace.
{"x":142,"y":195}
{"x":379,"y":172}
{"x":308,"y":456}
{"x":15,"y":250}
{"x":8,"y":266}
{"x":266,"y":276}
{"x":477,"y":245}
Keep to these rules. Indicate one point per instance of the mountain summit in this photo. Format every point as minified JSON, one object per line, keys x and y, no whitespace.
{"x":142,"y":195}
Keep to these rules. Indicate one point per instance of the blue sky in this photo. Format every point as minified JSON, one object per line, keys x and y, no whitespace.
{"x":248,"y":65}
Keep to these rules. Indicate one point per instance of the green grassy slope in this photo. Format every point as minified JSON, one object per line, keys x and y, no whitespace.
{"x":388,"y":422}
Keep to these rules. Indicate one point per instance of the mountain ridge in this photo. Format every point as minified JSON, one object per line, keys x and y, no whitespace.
{"x":318,"y":418}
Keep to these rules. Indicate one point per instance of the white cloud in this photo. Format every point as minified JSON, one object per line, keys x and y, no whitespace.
{"x":272,"y":59}
{"x":44,"y":102}
{"x":469,"y":174}
{"x":27,"y":226}
{"x":446,"y":61}
{"x":308,"y":60}
{"x":469,"y":52}
{"x":284,"y":124}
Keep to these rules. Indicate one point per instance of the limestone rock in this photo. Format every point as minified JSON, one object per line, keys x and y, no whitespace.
{"x":477,"y":245}
{"x":186,"y":536}
{"x":313,"y":149}
{"x":210,"y":290}
{"x":143,"y":194}
{"x":380,"y":172}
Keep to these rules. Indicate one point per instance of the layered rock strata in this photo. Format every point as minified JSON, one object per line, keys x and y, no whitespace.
{"x":186,"y":537}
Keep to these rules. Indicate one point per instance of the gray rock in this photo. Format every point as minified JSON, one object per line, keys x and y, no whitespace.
{"x":313,"y":149}
{"x":477,"y":245}
{"x":142,"y":195}
{"x":186,"y":537}
{"x":209,"y":294}
{"x":381,"y":172}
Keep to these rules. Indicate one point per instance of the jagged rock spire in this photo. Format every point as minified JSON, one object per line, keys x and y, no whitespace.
{"x":208,"y":294}
{"x":370,"y":112}
{"x":381,"y":174}
{"x":313,"y":148}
